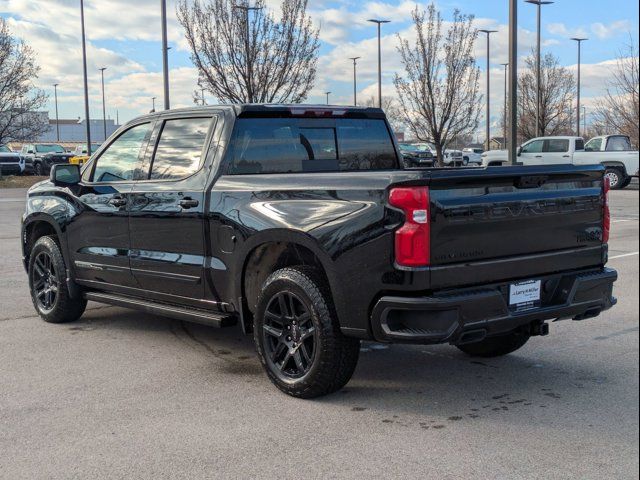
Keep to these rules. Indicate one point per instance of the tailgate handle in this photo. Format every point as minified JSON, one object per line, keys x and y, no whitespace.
{"x":532,"y":181}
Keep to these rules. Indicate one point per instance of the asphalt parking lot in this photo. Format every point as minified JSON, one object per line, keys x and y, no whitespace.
{"x":124,"y":394}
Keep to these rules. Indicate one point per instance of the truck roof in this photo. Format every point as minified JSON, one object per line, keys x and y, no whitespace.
{"x":275,"y":110}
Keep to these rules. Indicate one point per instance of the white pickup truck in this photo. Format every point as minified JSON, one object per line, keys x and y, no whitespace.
{"x":612,"y":151}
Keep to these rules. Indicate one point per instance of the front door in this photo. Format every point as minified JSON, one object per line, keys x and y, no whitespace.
{"x":166,"y":218}
{"x":99,"y":234}
{"x":531,"y":153}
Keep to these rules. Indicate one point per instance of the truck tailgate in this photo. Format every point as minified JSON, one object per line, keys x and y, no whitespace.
{"x":511,"y":222}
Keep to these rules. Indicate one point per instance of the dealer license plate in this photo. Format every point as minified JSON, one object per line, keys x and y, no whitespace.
{"x":524,"y":295}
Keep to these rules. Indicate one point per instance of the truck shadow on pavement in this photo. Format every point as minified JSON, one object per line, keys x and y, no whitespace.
{"x":436,"y":382}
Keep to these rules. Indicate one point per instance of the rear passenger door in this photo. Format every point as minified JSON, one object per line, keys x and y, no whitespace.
{"x":166,"y":214}
{"x":556,"y":151}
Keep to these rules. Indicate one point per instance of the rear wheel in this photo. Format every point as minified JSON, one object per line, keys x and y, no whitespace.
{"x":297,"y":335}
{"x":38,"y":170}
{"x":47,"y":283}
{"x":616,"y":177}
{"x":496,"y":346}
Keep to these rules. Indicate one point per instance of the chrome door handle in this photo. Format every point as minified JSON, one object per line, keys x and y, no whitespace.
{"x":188,"y":203}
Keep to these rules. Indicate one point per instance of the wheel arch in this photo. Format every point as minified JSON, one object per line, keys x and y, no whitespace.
{"x":272,"y":250}
{"x":615,"y":164}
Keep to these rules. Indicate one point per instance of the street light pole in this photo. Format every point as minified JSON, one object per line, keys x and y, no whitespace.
{"x":165,"y":54}
{"x":379,"y":22}
{"x":579,"y":41}
{"x":504,"y":111}
{"x":355,"y":98}
{"x":488,"y":119}
{"x":513,"y":79}
{"x":584,"y":120}
{"x":55,"y":96}
{"x":327,"y":94}
{"x":153,"y":104}
{"x":86,"y":85}
{"x":202,"y":95}
{"x":539,"y":4}
{"x":104,"y":110}
{"x":246,"y":10}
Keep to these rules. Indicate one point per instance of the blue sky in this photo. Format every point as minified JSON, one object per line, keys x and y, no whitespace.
{"x":124,"y":36}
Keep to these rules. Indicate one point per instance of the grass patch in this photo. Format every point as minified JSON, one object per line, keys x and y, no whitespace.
{"x":19,"y":181}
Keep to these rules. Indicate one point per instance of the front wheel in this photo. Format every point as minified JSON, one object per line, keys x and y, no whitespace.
{"x":38,"y":170}
{"x":47,"y":283}
{"x":615,"y":176}
{"x":297,"y":335}
{"x":496,"y":346}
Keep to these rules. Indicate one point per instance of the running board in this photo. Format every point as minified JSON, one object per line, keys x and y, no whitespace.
{"x":204,"y":317}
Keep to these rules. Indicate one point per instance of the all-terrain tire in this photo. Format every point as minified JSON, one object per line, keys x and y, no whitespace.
{"x":496,"y":346}
{"x":48,"y":284}
{"x":334,"y":356}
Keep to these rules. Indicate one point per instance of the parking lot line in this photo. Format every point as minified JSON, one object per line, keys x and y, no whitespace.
{"x":623,"y":255}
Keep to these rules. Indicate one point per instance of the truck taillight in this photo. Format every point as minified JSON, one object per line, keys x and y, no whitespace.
{"x":606,"y":214}
{"x":412,"y":240}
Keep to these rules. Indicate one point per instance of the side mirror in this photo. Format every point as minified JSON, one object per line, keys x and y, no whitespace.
{"x":519,"y":151}
{"x":65,"y":175}
{"x":588,"y":149}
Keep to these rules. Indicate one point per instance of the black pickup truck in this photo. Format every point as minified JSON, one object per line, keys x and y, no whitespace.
{"x":299,"y":224}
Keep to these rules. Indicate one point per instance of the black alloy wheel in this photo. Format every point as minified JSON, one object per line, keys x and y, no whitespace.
{"x":44,"y":282}
{"x":38,"y":169}
{"x":290,"y":338}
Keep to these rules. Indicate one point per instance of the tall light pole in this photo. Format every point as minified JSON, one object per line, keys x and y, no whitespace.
{"x":539,"y":4}
{"x":504,"y":112}
{"x":584,"y":120}
{"x":379,"y":22}
{"x":202,"y":95}
{"x":355,"y":98}
{"x":513,"y":80}
{"x":327,"y":94}
{"x":579,"y":41}
{"x":86,"y":85}
{"x":246,"y":10}
{"x":165,"y":54}
{"x":153,"y":104}
{"x":104,"y":108}
{"x":488,"y":120}
{"x":55,"y":96}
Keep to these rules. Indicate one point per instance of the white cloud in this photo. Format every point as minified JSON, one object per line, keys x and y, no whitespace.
{"x":603,"y":31}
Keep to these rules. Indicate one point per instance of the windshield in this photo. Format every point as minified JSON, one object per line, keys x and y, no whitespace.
{"x":4,"y":149}
{"x":414,"y":148}
{"x":50,"y":148}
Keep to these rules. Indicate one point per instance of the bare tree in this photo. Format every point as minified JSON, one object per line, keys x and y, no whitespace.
{"x":440,"y":96}
{"x":557,"y":87}
{"x":248,"y":56}
{"x":619,"y":110}
{"x":19,"y":99}
{"x":391,"y":109}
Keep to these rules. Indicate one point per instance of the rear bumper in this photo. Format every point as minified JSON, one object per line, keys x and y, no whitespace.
{"x":456,"y":316}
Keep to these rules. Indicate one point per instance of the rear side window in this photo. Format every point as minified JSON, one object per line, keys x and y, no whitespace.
{"x":557,"y":145}
{"x":285,"y":145}
{"x":180,"y":148}
{"x":618,"y":144}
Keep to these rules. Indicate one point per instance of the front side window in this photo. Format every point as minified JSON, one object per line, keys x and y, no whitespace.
{"x":533,"y":147}
{"x":557,"y":145}
{"x":121,"y":158}
{"x":285,"y":145}
{"x":180,"y":148}
{"x":594,"y":145}
{"x":618,"y":144}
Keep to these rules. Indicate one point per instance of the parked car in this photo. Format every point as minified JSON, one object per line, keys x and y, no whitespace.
{"x":454,"y":158}
{"x":612,"y":151}
{"x":300,"y":224}
{"x":13,"y":163}
{"x":473,"y":155}
{"x":417,"y":154}
{"x":80,"y":153}
{"x":44,"y":155}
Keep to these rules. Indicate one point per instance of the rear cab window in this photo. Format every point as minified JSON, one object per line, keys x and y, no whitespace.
{"x":298,"y":145}
{"x":618,"y":144}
